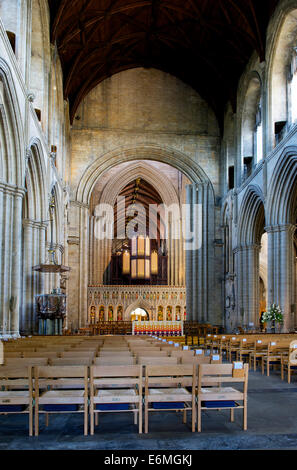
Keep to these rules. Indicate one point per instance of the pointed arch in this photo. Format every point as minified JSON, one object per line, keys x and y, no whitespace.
{"x":251,"y":217}
{"x":282,"y":197}
{"x":12,"y":160}
{"x":178,"y":160}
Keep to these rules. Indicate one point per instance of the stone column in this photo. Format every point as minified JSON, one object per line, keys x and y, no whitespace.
{"x":33,"y":282}
{"x":199,"y":260}
{"x":281,"y":271}
{"x":10,"y":258}
{"x":247,"y":285}
{"x":83,"y":265}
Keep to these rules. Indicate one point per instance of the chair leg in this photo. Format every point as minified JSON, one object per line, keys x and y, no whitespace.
{"x":86,"y":421}
{"x":140,"y":418}
{"x":30,"y":420}
{"x":96,"y":419}
{"x":91,"y":418}
{"x":232,"y":415}
{"x":193,"y":415}
{"x":289,"y":374}
{"x":36,"y":420}
{"x":282,"y":371}
{"x":199,"y":416}
{"x":185,"y":416}
{"x":245,"y":416}
{"x":146,"y":417}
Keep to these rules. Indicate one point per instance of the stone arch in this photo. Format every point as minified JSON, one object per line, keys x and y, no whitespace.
{"x":12,"y":159}
{"x":36,"y":184}
{"x":281,"y":228}
{"x":251,"y":116}
{"x":140,"y":303}
{"x":282,"y":32}
{"x":251,"y":217}
{"x":162,"y":184}
{"x":200,"y":191}
{"x":282,"y":197}
{"x":40,"y":58}
{"x":178,"y":160}
{"x":33,"y":235}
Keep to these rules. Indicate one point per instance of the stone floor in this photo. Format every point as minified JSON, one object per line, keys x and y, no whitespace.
{"x":272,"y":424}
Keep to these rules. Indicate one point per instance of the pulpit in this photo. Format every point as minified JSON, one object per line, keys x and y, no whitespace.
{"x":51,"y":311}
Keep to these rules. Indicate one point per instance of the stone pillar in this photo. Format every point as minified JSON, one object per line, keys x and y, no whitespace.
{"x":281,"y":271}
{"x":189,"y":262}
{"x":78,"y":244}
{"x":33,"y":282}
{"x":10,"y":258}
{"x":247,"y":285}
{"x":199,"y":260}
{"x":83,"y":266}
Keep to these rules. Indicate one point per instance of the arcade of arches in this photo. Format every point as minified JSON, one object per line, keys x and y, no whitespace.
{"x":87,"y":142}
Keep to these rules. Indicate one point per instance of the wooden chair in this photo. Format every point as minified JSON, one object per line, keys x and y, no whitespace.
{"x":151,"y":360}
{"x":246,"y":347}
{"x":71,"y":361}
{"x":182,"y":354}
{"x":115,"y":389}
{"x":233,"y":347}
{"x":103,"y":353}
{"x":16,"y":395}
{"x":114,"y":360}
{"x":211,"y":359}
{"x":171,"y":394}
{"x":221,"y":397}
{"x":61,"y":389}
{"x":260,"y":349}
{"x":151,"y":354}
{"x":25,"y":361}
{"x":273,"y":356}
{"x":289,"y":361}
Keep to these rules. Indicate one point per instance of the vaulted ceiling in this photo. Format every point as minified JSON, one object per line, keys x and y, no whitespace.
{"x":137,"y":192}
{"x":205,"y":43}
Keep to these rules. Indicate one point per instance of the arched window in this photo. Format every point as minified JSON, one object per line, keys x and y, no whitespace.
{"x":292,"y":78}
{"x":282,"y":89}
{"x":252,"y":130}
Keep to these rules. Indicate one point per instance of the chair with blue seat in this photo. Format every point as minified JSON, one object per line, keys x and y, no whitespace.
{"x":114,"y":389}
{"x":167,"y":388}
{"x":61,"y":389}
{"x":16,"y":395}
{"x":221,"y":395}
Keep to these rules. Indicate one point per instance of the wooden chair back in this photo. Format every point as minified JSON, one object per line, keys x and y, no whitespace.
{"x":71,"y":361}
{"x":114,"y":360}
{"x":25,"y":361}
{"x":151,"y":360}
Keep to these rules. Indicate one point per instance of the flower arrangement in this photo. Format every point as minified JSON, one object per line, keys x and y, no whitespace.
{"x":274,"y":313}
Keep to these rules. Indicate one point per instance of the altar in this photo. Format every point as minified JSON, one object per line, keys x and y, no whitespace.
{"x":157,"y":328}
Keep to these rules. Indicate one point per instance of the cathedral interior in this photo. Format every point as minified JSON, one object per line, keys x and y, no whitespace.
{"x":148,"y":165}
{"x":190,"y":107}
